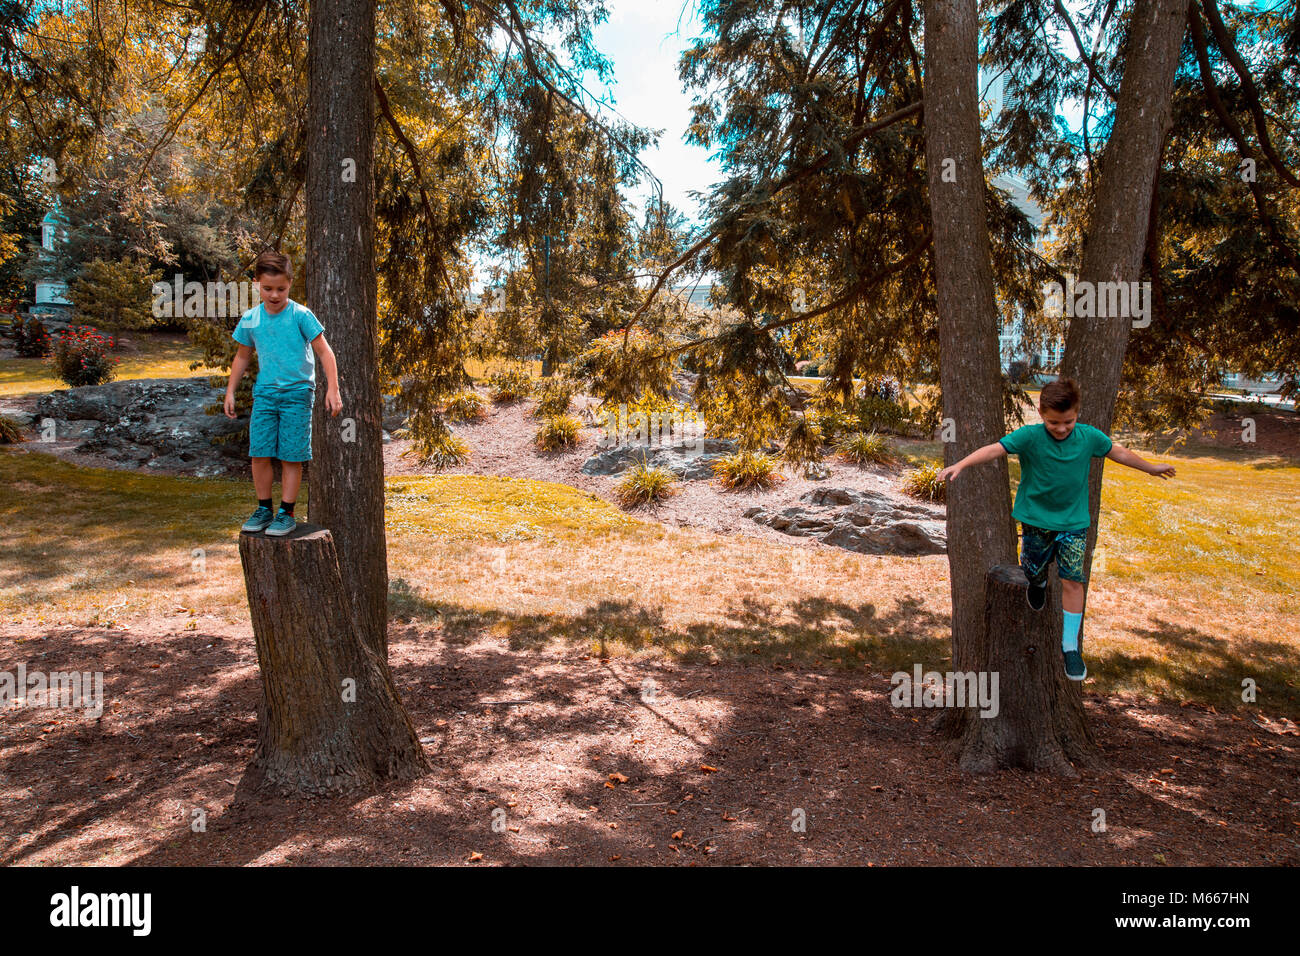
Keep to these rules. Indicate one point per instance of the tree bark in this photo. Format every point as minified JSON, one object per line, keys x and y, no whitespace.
{"x":1116,"y":237}
{"x":347,"y":492}
{"x":330,"y":720}
{"x":980,"y":530}
{"x":1039,"y":723}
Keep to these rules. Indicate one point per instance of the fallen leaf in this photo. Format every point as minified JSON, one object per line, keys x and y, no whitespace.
{"x":678,"y":834}
{"x":707,"y":769}
{"x":474,"y":857}
{"x":617,"y":777}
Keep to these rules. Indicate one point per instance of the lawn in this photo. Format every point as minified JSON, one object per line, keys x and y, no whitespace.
{"x":1195,"y":591}
{"x":163,"y":355}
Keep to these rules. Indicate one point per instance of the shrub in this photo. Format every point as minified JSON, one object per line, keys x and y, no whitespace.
{"x":81,"y":356}
{"x":747,"y":470}
{"x":874,"y":413}
{"x":924,"y":483}
{"x":642,"y":484}
{"x":803,"y":443}
{"x":30,"y":338}
{"x":465,"y":406}
{"x":862,"y":449}
{"x":509,"y":387}
{"x":10,"y":431}
{"x":558,"y":431}
{"x":116,"y":294}
{"x":446,"y":451}
{"x":555,"y":396}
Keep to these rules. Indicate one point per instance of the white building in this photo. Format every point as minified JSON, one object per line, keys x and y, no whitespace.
{"x":1011,"y":334}
{"x":51,"y":292}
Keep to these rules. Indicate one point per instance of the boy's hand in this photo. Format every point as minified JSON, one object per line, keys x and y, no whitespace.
{"x":333,"y":401}
{"x":230,"y":405}
{"x":1161,"y":471}
{"x":949,"y":473}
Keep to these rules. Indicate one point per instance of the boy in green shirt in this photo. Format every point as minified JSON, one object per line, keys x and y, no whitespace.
{"x":1052,"y":500}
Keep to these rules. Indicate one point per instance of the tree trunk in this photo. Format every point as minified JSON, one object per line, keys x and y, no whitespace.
{"x":980,"y":530}
{"x":1039,"y":722}
{"x":347,"y":492}
{"x":1116,"y":237}
{"x":329,"y":720}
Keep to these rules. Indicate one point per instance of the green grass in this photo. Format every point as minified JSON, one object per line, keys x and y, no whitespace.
{"x":159,"y":356}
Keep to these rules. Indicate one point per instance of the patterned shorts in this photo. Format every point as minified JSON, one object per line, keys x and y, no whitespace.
{"x":1038,"y":547}
{"x":280,"y":426}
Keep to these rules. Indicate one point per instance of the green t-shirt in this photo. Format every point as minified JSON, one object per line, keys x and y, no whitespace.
{"x":1053,"y":492}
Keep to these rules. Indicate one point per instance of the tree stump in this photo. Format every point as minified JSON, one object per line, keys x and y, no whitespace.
{"x":330,"y":720}
{"x":1040,"y":723}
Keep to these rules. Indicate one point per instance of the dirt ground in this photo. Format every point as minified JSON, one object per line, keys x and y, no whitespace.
{"x":579,"y":760}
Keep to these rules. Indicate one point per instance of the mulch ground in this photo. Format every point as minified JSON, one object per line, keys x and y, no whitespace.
{"x":559,"y":757}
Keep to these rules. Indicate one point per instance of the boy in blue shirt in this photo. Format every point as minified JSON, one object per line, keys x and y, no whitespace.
{"x":285,"y":334}
{"x":1052,"y":500}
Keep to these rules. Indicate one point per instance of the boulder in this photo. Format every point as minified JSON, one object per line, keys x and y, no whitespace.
{"x":154,"y":423}
{"x":863,"y":521}
{"x":695,"y":461}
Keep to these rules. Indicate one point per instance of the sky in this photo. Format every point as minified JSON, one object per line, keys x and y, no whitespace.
{"x":644,"y":41}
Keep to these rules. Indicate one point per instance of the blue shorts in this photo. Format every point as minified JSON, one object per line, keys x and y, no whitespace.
{"x":280,"y":426}
{"x":1039,"y":546}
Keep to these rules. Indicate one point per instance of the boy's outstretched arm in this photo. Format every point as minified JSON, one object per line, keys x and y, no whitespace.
{"x":1125,"y":457}
{"x":333,"y":400}
{"x":978,"y":456}
{"x":243,"y":357}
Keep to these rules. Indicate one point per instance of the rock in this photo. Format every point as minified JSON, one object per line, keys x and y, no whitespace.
{"x":685,"y":462}
{"x":394,"y":417}
{"x":22,"y":418}
{"x":863,"y":521}
{"x":154,"y":423}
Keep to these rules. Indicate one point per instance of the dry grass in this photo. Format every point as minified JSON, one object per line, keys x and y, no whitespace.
{"x":1178,"y":606}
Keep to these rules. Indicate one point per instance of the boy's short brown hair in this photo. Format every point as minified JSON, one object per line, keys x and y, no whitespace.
{"x":1060,"y":395}
{"x":271,"y":262}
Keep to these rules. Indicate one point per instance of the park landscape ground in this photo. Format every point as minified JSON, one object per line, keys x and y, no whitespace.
{"x":674,"y":685}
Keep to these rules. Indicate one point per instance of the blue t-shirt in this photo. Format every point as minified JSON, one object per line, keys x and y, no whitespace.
{"x":1053,"y":491}
{"x":283,"y":342}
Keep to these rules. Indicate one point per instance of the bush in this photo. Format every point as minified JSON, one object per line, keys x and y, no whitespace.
{"x":10,"y":431}
{"x":509,"y":387}
{"x":117,"y":295}
{"x":555,"y":396}
{"x":465,"y":406}
{"x":862,"y":449}
{"x":747,"y":470}
{"x":446,"y":451}
{"x":924,"y":483}
{"x":876,"y":413}
{"x":81,"y":356}
{"x":558,"y":431}
{"x":30,"y":338}
{"x":643,"y":485}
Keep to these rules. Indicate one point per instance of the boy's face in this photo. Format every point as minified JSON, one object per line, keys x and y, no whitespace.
{"x":1059,"y":424}
{"x":274,"y":287}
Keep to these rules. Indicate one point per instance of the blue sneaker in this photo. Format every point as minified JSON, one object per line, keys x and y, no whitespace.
{"x":283,"y":523}
{"x":1075,"y":668}
{"x":258,"y":520}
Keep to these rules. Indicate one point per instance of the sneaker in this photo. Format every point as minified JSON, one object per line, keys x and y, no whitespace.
{"x":1075,"y":668}
{"x":258,"y":520}
{"x":283,"y":523}
{"x":1036,"y":595}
